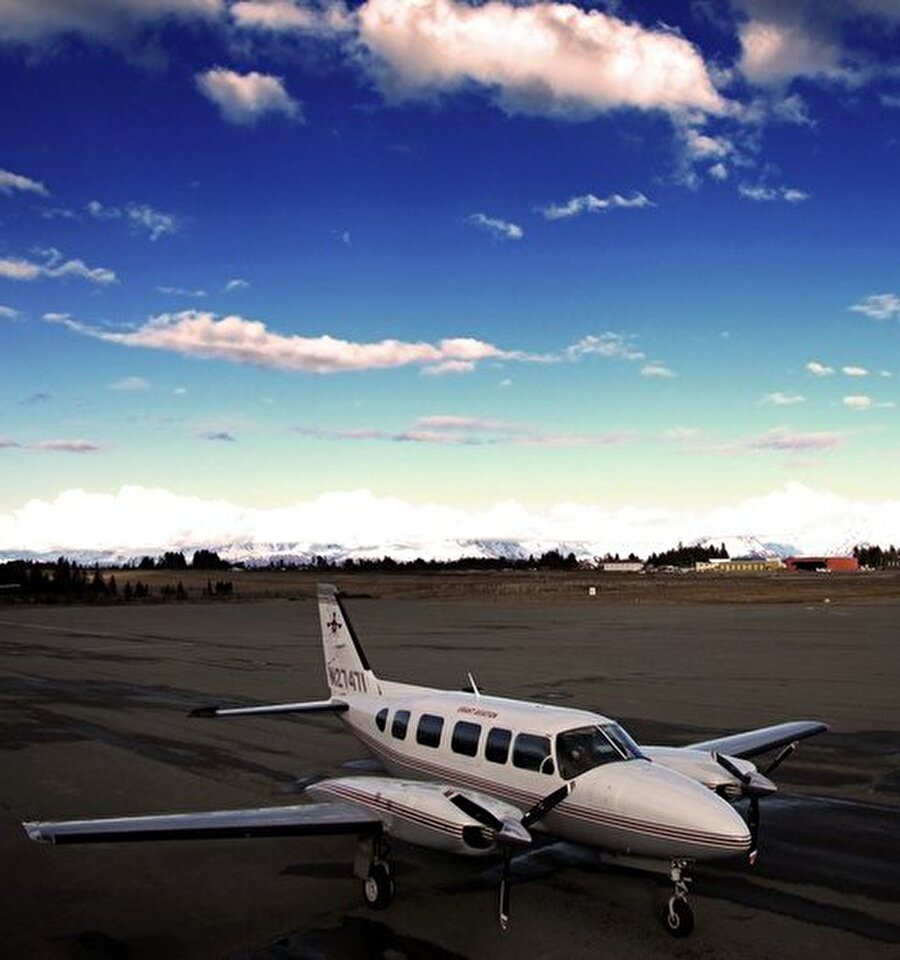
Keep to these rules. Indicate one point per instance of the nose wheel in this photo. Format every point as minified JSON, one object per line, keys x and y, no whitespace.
{"x":677,"y":916}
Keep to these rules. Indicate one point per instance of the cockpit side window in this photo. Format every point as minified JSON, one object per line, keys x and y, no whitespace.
{"x":584,"y":748}
{"x":532,"y":752}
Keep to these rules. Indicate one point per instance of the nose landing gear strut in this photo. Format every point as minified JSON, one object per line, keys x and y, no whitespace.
{"x":678,"y":917}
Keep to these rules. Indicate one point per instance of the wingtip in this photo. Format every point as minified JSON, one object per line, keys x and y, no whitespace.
{"x":204,"y":712}
{"x":326,"y":591}
{"x":34,"y":832}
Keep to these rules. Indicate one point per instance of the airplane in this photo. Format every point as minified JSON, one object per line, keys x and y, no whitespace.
{"x":481,"y":775}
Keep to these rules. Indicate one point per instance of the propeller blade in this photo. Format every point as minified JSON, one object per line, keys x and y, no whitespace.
{"x":477,"y":812}
{"x":543,"y":807}
{"x":505,"y":880}
{"x":724,"y":762}
{"x":782,"y":756}
{"x":753,"y":826}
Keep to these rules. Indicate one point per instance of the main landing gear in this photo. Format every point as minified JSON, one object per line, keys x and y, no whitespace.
{"x":372,"y":867}
{"x":678,"y":917}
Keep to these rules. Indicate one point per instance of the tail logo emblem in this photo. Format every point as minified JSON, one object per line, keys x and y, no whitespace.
{"x":334,"y":624}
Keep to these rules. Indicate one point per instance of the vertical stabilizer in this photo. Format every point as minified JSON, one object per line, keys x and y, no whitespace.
{"x":346,"y":668}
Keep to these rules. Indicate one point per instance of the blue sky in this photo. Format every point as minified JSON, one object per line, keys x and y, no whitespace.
{"x":629,"y":255}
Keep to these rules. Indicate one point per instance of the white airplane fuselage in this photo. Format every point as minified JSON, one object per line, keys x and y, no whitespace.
{"x":493,"y":746}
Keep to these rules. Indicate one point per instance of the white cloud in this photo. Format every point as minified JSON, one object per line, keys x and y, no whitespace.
{"x":785,"y":440}
{"x":589,"y":203}
{"x":855,"y":371}
{"x":466,"y":431}
{"x":11,"y":182}
{"x":608,"y":344}
{"x":54,"y":267}
{"x":8,"y":313}
{"x":33,"y":21}
{"x":66,"y":446}
{"x":776,"y":52}
{"x":542,"y":58}
{"x":718,"y":171}
{"x":780,"y":399}
{"x":679,"y":434}
{"x":497,"y":228}
{"x":277,"y":16}
{"x":657,"y":369}
{"x":819,"y":369}
{"x":243,"y":98}
{"x":764,"y":194}
{"x":236,"y":284}
{"x":140,"y":520}
{"x":862,"y":402}
{"x":139,"y":216}
{"x":702,"y":146}
{"x":879,"y":306}
{"x":182,"y":292}
{"x":130,"y":384}
{"x":202,"y":334}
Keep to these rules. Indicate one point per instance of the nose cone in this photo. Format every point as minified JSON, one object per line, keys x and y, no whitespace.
{"x":649,"y":810}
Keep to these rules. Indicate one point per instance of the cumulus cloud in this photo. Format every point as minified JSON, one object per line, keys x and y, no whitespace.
{"x":279,"y":16}
{"x":589,"y":203}
{"x":8,"y":313}
{"x":763,"y":194}
{"x":140,"y":217}
{"x":879,"y":306}
{"x":608,"y":344}
{"x":541,"y":58}
{"x":855,"y":371}
{"x":819,"y":369}
{"x":202,"y":334}
{"x":136,"y":520}
{"x":775,"y":52}
{"x":497,"y":228}
{"x":243,"y":98}
{"x":32,"y":21}
{"x":15,"y":182}
{"x":781,"y":399}
{"x":54,"y":266}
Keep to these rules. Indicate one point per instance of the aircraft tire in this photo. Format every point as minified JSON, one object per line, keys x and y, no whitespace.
{"x":678,"y":918}
{"x":378,"y":887}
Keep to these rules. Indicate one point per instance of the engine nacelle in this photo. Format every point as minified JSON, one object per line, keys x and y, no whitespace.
{"x":420,"y":813}
{"x":702,"y":766}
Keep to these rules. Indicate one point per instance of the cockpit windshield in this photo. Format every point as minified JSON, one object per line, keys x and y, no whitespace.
{"x":583,"y":748}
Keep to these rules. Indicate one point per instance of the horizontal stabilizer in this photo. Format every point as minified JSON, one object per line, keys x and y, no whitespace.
{"x":753,"y":742}
{"x":311,"y":819}
{"x":310,"y":706}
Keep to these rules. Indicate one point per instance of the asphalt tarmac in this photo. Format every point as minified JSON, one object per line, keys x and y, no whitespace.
{"x":93,"y":722}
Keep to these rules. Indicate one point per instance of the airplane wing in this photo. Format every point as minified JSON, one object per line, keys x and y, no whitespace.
{"x":310,"y":706}
{"x":311,"y":819}
{"x":753,"y":742}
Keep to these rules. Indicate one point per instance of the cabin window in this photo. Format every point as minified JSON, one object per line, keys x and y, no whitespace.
{"x":496,"y":749}
{"x":429,"y":730}
{"x":531,"y":752}
{"x":401,"y":722}
{"x":381,"y":719}
{"x":465,"y":738}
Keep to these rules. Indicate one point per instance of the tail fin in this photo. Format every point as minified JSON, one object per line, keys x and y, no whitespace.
{"x":346,"y":668}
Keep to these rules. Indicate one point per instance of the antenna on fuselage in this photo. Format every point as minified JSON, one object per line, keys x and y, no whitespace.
{"x":473,"y":686}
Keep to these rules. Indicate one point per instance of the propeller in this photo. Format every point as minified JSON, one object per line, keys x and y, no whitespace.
{"x":510,"y":833}
{"x":753,"y":785}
